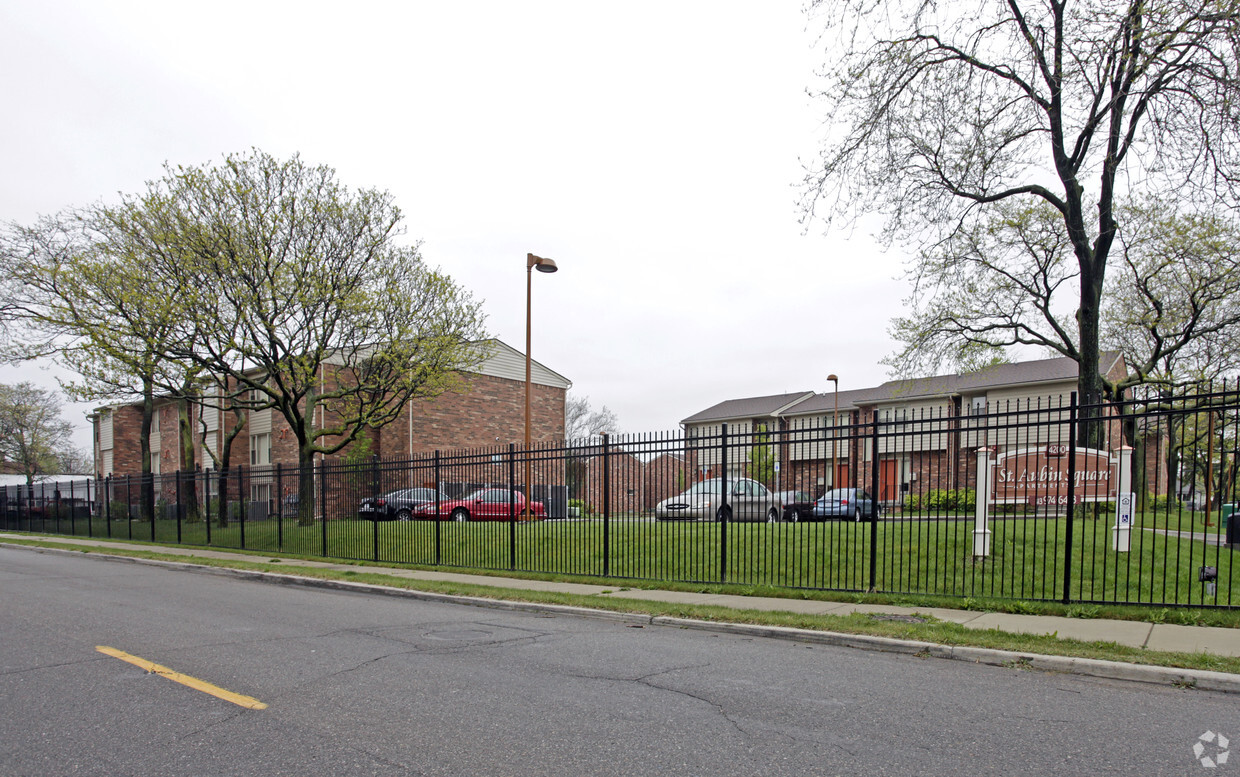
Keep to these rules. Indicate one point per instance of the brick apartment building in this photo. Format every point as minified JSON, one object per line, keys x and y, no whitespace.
{"x":489,"y":412}
{"x":937,"y":425}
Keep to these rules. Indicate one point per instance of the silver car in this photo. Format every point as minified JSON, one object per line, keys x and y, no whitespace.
{"x":747,"y":500}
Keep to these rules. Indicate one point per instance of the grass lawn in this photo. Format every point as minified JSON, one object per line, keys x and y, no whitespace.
{"x":929,"y":630}
{"x":915,"y":557}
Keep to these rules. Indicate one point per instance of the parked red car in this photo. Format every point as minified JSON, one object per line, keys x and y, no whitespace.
{"x":487,"y":504}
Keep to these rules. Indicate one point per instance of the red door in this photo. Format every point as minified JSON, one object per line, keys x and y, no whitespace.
{"x":887,"y":480}
{"x":841,"y":475}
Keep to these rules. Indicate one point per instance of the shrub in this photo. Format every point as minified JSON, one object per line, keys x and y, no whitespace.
{"x":584,"y":509}
{"x":1161,"y":502}
{"x":943,"y":500}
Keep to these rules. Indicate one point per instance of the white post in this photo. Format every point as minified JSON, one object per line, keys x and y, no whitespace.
{"x":981,"y":532}
{"x":1125,"y":502}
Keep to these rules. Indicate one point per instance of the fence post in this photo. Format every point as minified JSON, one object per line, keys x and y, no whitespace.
{"x":90,"y":512}
{"x":606,"y":504}
{"x":1124,"y":503}
{"x":512,"y":504}
{"x":107,"y":503}
{"x":438,"y":517}
{"x":207,"y":517}
{"x":243,"y":503}
{"x":875,"y":498}
{"x":724,"y":508}
{"x":374,"y":524}
{"x":981,"y":526}
{"x":322,"y":498}
{"x":280,"y":508}
{"x":180,"y":507}
{"x":73,"y":523}
{"x":149,"y":489}
{"x":1067,"y":541}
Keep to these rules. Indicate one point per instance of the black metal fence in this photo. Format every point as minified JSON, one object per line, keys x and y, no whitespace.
{"x":1052,"y":499}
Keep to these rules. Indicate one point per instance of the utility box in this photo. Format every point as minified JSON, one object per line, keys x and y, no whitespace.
{"x":1231,"y":520}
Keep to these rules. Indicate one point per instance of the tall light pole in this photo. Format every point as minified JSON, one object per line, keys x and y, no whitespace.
{"x":543,"y":265}
{"x":835,"y":423}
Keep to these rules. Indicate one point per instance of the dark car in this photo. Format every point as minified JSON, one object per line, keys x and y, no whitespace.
{"x":486,"y":504}
{"x":796,"y":505}
{"x":399,"y":505}
{"x":849,"y":503}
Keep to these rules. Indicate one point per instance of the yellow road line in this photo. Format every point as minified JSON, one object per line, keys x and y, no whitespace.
{"x":184,"y":679}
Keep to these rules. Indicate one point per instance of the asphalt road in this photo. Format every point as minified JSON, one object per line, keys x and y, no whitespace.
{"x":358,"y":685}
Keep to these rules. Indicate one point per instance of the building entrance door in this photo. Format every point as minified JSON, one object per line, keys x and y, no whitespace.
{"x":887,"y":469}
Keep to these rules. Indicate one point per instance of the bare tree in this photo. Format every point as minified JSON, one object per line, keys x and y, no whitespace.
{"x":33,"y":435}
{"x":1173,"y":308}
{"x":582,"y":421}
{"x":949,"y":117}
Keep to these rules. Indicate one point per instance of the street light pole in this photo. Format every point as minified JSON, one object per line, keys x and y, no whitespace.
{"x":548,"y":266}
{"x":835,"y":423}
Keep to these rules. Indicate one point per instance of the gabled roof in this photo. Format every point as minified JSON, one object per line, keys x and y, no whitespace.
{"x":501,"y":360}
{"x":1031,"y":373}
{"x":751,"y":407}
{"x":1057,"y":370}
{"x":826,"y":402}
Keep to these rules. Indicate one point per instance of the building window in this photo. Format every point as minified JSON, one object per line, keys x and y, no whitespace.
{"x":260,"y":450}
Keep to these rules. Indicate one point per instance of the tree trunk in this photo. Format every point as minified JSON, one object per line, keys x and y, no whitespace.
{"x":147,"y":488}
{"x":1089,"y":381}
{"x":222,"y":518}
{"x":305,"y":487}
{"x":189,"y":485}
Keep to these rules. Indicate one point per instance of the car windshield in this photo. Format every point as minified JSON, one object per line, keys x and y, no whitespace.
{"x":838,"y":493}
{"x":705,"y":487}
{"x":496,"y":495}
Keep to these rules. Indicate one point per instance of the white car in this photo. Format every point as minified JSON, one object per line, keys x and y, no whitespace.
{"x":747,"y":500}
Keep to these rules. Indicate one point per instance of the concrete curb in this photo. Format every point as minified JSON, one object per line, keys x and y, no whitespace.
{"x":1088,"y":667}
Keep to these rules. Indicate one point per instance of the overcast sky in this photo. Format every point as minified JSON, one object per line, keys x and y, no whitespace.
{"x":653,"y":149}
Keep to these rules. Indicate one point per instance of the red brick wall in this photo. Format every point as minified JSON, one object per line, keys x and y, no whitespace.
{"x":491,"y":408}
{"x":126,"y":449}
{"x":491,"y":413}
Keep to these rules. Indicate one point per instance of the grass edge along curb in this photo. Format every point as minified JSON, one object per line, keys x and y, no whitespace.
{"x":519,"y":600}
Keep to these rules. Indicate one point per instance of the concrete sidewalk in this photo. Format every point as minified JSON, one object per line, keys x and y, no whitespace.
{"x":1150,"y":636}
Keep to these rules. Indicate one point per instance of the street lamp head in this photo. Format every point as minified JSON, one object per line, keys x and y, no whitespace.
{"x":543,"y":265}
{"x":834,"y":379}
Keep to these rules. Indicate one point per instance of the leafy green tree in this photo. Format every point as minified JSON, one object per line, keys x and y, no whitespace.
{"x":33,"y":435}
{"x":762,"y":457}
{"x":951,"y":119}
{"x":301,"y":299}
{"x":88,"y":300}
{"x":268,"y":278}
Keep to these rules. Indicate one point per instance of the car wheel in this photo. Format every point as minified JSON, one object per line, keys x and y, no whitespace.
{"x":724,"y":514}
{"x":772,"y":516}
{"x":404,"y":514}
{"x":460,"y":515}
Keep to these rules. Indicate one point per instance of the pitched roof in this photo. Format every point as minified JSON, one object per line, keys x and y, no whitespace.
{"x":750,"y":407}
{"x":826,"y":402}
{"x":1054,"y":370}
